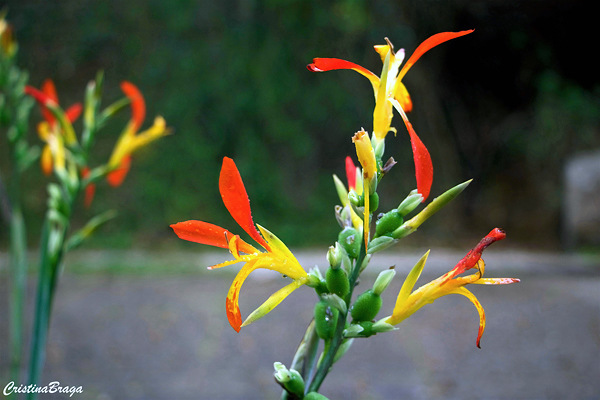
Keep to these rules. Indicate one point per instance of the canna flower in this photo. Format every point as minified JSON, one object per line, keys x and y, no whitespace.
{"x":54,"y":132}
{"x":391,"y":93}
{"x":408,"y":303}
{"x":130,"y":140}
{"x":277,"y":256}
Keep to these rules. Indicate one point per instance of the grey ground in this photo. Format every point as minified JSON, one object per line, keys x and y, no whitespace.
{"x":124,"y":335}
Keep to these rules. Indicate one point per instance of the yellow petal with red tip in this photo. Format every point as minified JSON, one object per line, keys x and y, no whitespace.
{"x":401,"y":94}
{"x":477,"y":305}
{"x":273,"y":301}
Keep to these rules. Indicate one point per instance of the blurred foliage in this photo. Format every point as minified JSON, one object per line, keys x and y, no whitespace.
{"x":505,"y":105}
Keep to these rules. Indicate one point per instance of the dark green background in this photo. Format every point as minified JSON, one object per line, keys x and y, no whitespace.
{"x":505,"y":105}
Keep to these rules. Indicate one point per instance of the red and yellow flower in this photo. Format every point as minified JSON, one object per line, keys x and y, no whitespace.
{"x":277,"y":256}
{"x":391,"y":93}
{"x":408,"y":303}
{"x":54,"y":132}
{"x":130,"y":140}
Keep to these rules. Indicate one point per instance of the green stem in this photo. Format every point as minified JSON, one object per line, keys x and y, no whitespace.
{"x":18,"y":260}
{"x":338,"y":336}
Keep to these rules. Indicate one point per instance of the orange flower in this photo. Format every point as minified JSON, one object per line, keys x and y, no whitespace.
{"x":277,"y":256}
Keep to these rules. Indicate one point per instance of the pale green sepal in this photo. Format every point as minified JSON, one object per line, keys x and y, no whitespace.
{"x":411,"y":202}
{"x":335,"y":301}
{"x":353,"y":330}
{"x":411,"y":225}
{"x":382,"y":326}
{"x":77,"y":238}
{"x":334,"y":256}
{"x":411,"y":279}
{"x":381,"y":243}
{"x":383,"y":280}
{"x":365,"y":262}
{"x":282,"y":375}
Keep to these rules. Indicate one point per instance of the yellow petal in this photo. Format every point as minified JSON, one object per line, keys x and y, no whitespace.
{"x":382,"y":115}
{"x":477,"y":305}
{"x":287,"y":263}
{"x":273,"y":301}
{"x":46,"y":160}
{"x":366,"y":155}
{"x":43,"y":129}
{"x":157,"y":130}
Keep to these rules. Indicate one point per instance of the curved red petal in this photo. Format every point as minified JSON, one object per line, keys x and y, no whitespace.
{"x":116,"y":177}
{"x":74,"y":112}
{"x":423,"y":164}
{"x":429,"y":44}
{"x":330,"y":64}
{"x":474,"y":255}
{"x":350,"y":173}
{"x":203,"y":232}
{"x":90,"y":189}
{"x":49,"y":90}
{"x":236,"y":199}
{"x":233,"y":313}
{"x":138,"y":105}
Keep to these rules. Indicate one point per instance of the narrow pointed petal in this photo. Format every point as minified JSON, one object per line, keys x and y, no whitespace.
{"x":232,"y":306}
{"x":410,"y":281}
{"x":90,"y":189}
{"x":212,"y":235}
{"x":273,"y":301}
{"x":117,"y":176}
{"x":473,"y":256}
{"x":340,"y":188}
{"x":350,"y":173}
{"x":427,"y":45}
{"x":138,"y":105}
{"x":496,"y":281}
{"x":382,"y":114}
{"x":423,"y":164}
{"x":236,"y":199}
{"x":73,"y":112}
{"x":41,"y":97}
{"x":330,"y":64}
{"x":480,"y":310}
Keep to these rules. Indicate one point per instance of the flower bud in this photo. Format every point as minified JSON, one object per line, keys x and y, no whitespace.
{"x":355,"y":198}
{"x":411,"y":202}
{"x":382,"y":326}
{"x":335,"y":301}
{"x":349,"y":239}
{"x":337,"y":282}
{"x":353,"y":330}
{"x":380,"y":243}
{"x":373,"y":202}
{"x":389,"y":222}
{"x":383,"y":280}
{"x":315,"y":396}
{"x":290,"y":380}
{"x":325,"y":320}
{"x":334,"y":256}
{"x":366,"y":306}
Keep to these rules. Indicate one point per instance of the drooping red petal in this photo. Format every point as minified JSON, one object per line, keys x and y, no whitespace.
{"x":474,"y":255}
{"x":212,"y":235}
{"x":427,"y":45}
{"x":90,"y":189}
{"x":236,"y":199}
{"x":330,"y":64}
{"x":350,"y":173}
{"x":138,"y":105}
{"x":74,"y":112}
{"x":423,"y":164}
{"x":234,"y":316}
{"x":38,"y":95}
{"x":49,"y":90}
{"x":116,"y":177}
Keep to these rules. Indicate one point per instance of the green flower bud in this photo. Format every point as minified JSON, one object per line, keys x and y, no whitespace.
{"x":325,"y":320}
{"x":383,"y":280}
{"x":315,"y":396}
{"x":335,"y":301}
{"x":380,"y":243}
{"x":366,"y":306}
{"x":355,"y":198}
{"x":411,"y":202}
{"x":334,"y":256}
{"x":349,"y":239}
{"x":382,"y":326}
{"x":337,"y":282}
{"x":388,"y":223}
{"x":291,"y":379}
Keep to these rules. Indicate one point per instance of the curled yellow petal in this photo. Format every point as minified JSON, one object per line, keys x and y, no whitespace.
{"x":477,"y":305}
{"x":366,"y":154}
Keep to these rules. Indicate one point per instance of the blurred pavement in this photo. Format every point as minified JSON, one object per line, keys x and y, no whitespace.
{"x":125,"y":335}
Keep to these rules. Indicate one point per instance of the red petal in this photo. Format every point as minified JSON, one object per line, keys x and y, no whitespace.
{"x":427,"y":45}
{"x":350,"y":173}
{"x":138,"y":105}
{"x":236,"y":199}
{"x":116,"y":177}
{"x":74,"y":112}
{"x":423,"y":164}
{"x":90,"y":189}
{"x":330,"y":64}
{"x":49,"y":90}
{"x":212,"y":235}
{"x":38,"y":95}
{"x":474,"y":255}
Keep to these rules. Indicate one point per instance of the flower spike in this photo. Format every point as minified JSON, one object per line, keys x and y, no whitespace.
{"x":277,"y":256}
